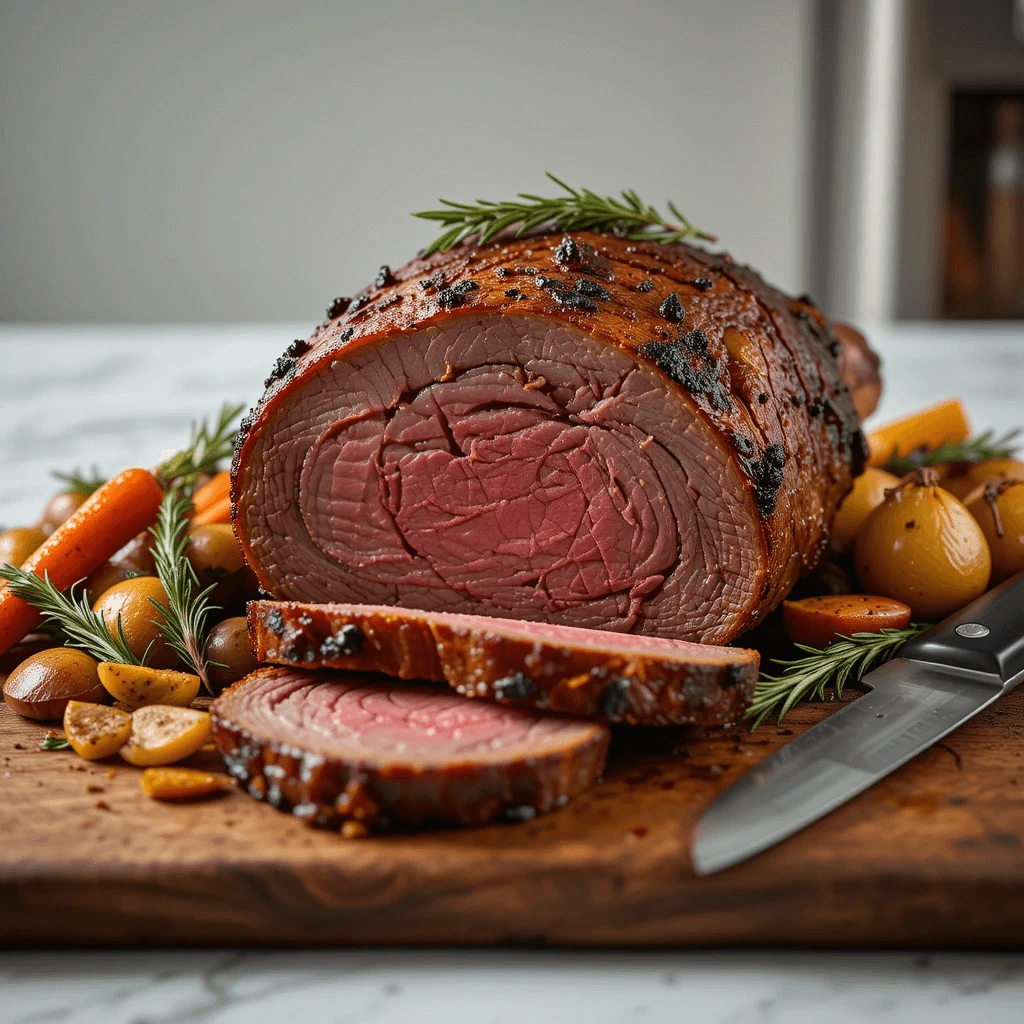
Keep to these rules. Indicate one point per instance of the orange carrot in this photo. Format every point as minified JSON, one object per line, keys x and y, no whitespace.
{"x":931,"y":428}
{"x":218,"y":512}
{"x":112,"y":516}
{"x":212,"y":492}
{"x":817,"y":621}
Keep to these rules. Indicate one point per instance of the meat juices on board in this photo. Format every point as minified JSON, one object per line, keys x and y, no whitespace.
{"x":578,"y":430}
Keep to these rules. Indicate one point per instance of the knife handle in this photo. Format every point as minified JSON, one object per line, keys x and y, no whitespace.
{"x":985,"y":636}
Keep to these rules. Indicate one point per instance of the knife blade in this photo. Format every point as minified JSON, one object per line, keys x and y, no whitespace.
{"x":939,"y":680}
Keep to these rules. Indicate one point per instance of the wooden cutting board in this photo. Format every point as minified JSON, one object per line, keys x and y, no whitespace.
{"x":931,"y":857}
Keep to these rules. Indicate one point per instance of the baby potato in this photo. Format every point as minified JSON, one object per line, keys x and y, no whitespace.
{"x":43,"y":684}
{"x":134,"y":559}
{"x":131,"y":600}
{"x":998,"y":506}
{"x":59,"y":509}
{"x":138,"y":685}
{"x":214,"y":550}
{"x":182,"y":783}
{"x":162,"y":734}
{"x":96,"y":731}
{"x":961,"y":478}
{"x":228,"y":645}
{"x":922,"y":547}
{"x":867,"y":494}
{"x":17,"y":544}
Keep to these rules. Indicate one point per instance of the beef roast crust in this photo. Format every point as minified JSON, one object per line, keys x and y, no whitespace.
{"x":514,"y":663}
{"x":306,"y":775}
{"x":755,"y":371}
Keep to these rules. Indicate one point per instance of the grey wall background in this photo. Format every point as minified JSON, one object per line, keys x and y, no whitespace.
{"x":249,"y":160}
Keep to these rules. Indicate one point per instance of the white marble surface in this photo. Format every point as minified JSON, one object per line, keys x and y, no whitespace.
{"x":75,"y":396}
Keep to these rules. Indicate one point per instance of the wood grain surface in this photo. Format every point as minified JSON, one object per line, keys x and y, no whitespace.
{"x":931,"y":857}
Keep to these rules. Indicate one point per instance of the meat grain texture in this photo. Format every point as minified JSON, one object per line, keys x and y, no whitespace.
{"x":333,"y":748}
{"x":572,"y":429}
{"x":584,"y":672}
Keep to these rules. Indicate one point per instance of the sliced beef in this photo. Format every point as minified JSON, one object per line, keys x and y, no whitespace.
{"x":333,"y":747}
{"x":579,"y":430}
{"x":620,"y":678}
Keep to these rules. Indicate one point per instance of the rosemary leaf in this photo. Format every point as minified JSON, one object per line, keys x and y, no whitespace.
{"x":206,"y":449}
{"x":51,"y":741}
{"x":975,"y":449}
{"x":188,"y":605}
{"x":577,"y":210}
{"x":78,"y":483}
{"x":81,"y":626}
{"x":807,"y":678}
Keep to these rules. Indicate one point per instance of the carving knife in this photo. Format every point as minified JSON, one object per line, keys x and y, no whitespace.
{"x":937,"y":682}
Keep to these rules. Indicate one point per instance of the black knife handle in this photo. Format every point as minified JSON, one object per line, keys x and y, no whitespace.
{"x":998,"y":652}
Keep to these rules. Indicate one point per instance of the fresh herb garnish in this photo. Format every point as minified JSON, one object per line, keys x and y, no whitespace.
{"x":78,"y":483}
{"x":975,"y":449}
{"x":52,"y":741}
{"x":577,"y":210}
{"x":187,"y":604}
{"x":81,"y":626}
{"x":206,"y":449}
{"x":806,"y":678}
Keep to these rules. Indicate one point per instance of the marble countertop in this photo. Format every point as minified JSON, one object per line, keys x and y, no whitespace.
{"x":78,"y":396}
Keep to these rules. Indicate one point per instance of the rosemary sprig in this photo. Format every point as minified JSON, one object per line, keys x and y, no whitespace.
{"x":207,"y":447}
{"x":78,"y":483}
{"x":51,"y":741}
{"x":81,"y":626}
{"x":806,"y":678}
{"x":577,"y":210}
{"x":975,"y":449}
{"x":188,"y":605}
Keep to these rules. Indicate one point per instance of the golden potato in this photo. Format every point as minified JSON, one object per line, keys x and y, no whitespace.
{"x":139,"y":619}
{"x":43,"y":684}
{"x":96,"y":731}
{"x":138,"y":685}
{"x":162,"y":734}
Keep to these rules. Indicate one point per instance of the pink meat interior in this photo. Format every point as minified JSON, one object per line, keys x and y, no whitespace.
{"x":355,"y":718}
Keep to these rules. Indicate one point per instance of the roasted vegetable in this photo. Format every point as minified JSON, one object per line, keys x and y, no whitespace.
{"x":16,"y":545}
{"x":43,"y":684}
{"x":818,"y":621}
{"x":138,"y":685}
{"x":961,"y":478}
{"x":162,"y":734}
{"x":94,"y":730}
{"x":131,"y":604}
{"x":867,"y":494}
{"x":229,"y":652}
{"x":922,"y":547}
{"x":60,"y":509}
{"x":933,"y":427}
{"x":182,"y":783}
{"x":998,"y":506}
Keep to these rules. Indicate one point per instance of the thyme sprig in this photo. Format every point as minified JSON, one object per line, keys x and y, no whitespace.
{"x":77,"y":482}
{"x":188,"y":605}
{"x":207,"y":448}
{"x":81,"y":626}
{"x":808,"y":677}
{"x":577,"y":210}
{"x":975,"y":449}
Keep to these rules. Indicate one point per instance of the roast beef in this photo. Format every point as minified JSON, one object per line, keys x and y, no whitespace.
{"x":620,"y":678}
{"x":334,"y":747}
{"x":580,"y":430}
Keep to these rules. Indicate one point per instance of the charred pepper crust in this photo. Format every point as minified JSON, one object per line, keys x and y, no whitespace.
{"x":326,"y":791}
{"x":626,"y":266}
{"x":612,"y":688}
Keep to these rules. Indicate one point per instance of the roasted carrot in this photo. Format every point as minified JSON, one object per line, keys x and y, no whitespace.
{"x":211,"y":493}
{"x":817,"y":621}
{"x":218,"y":512}
{"x":945,"y":423}
{"x":112,"y":516}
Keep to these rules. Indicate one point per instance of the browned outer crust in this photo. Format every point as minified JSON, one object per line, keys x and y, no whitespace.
{"x":329,"y":791}
{"x":640,"y":690}
{"x":777,"y":361}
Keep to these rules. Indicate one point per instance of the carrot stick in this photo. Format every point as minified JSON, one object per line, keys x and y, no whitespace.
{"x":930,"y":428}
{"x":218,"y":512}
{"x":109,"y":518}
{"x":211,"y":492}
